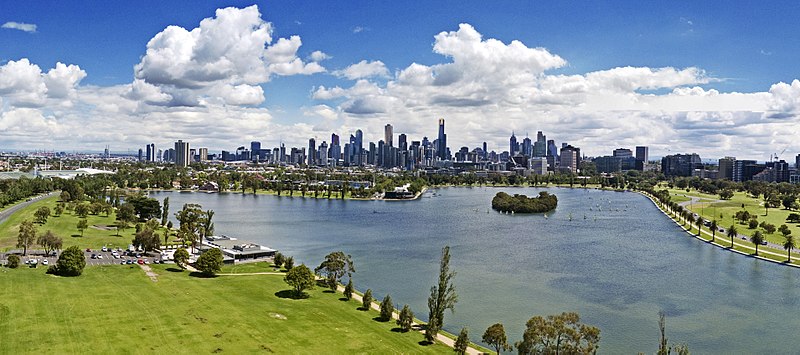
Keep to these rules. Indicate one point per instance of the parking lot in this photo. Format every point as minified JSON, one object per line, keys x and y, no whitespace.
{"x":97,"y":257}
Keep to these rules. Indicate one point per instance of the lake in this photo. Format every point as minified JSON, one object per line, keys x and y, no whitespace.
{"x":613,"y":257}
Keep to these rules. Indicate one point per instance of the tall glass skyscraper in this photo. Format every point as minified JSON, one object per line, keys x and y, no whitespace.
{"x":441,"y":150}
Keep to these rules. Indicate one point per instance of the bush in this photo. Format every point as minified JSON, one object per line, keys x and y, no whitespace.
{"x":181,"y":257}
{"x":504,"y":202}
{"x":405,"y":319}
{"x":210,"y":262}
{"x":71,"y":262}
{"x":387,"y":308}
{"x":753,"y":224}
{"x":278,"y":260}
{"x":13,"y":261}
{"x":288,"y":263}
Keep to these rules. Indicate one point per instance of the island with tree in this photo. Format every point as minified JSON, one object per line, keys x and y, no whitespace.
{"x":504,"y":202}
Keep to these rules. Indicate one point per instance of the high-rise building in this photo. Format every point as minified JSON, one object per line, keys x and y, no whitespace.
{"x":359,"y":147}
{"x":726,"y":168}
{"x":255,"y":150}
{"x":540,"y":146}
{"x":312,"y":148}
{"x":623,"y":153}
{"x":527,"y":147}
{"x":485,"y":153}
{"x":388,"y":133}
{"x":182,"y":154}
{"x":570,"y":159}
{"x":642,"y":156}
{"x":513,"y":146}
{"x":140,"y":154}
{"x":797,"y":162}
{"x":202,"y":154}
{"x":441,"y":148}
{"x":680,"y":164}
{"x":402,"y":142}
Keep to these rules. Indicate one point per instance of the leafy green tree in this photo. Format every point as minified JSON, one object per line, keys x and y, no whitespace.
{"x":348,"y":290}
{"x":13,"y":261}
{"x":145,"y":207}
{"x":387,"y":308}
{"x":82,"y":225}
{"x":462,"y":342}
{"x":563,"y":333}
{"x":788,"y":201}
{"x":732,"y":232}
{"x":714,"y":228}
{"x":42,"y":214}
{"x":65,"y":196}
{"x":190,"y":217}
{"x":405,"y":319}
{"x":769,"y":228}
{"x":107,"y":209}
{"x":300,"y":279}
{"x":699,"y":224}
{"x":210,"y":262}
{"x":288,"y":263}
{"x":756,"y":239}
{"x":181,"y":257}
{"x":59,"y":209}
{"x":443,"y":297}
{"x":82,"y":210}
{"x":146,"y":239}
{"x":495,"y":336}
{"x":366,"y":300}
{"x":788,"y":245}
{"x":71,"y":262}
{"x":26,"y":236}
{"x":334,"y":267}
{"x":206,"y":225}
{"x":278,"y":260}
{"x":49,"y":242}
{"x":165,"y":211}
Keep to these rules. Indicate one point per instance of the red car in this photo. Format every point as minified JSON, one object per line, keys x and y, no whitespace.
{"x":88,"y":250}
{"x":140,"y":262}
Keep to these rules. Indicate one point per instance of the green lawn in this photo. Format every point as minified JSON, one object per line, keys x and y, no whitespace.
{"x":65,"y":226}
{"x":117,"y":309}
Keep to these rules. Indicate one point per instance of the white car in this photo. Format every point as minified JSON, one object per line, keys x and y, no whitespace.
{"x":45,"y":262}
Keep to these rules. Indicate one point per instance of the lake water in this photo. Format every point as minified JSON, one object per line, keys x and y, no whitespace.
{"x":617,"y":262}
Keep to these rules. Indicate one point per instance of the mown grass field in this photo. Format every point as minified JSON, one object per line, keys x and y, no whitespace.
{"x":117,"y":309}
{"x":65,"y":226}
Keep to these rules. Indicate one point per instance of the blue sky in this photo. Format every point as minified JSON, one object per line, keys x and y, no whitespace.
{"x":736,"y":47}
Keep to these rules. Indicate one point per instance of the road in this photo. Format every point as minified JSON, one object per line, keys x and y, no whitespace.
{"x":4,"y":214}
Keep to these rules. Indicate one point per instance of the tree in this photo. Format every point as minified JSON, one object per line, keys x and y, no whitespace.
{"x":145,"y":207}
{"x":65,"y":196}
{"x":82,"y":210}
{"x":206,"y":225}
{"x":443,"y":296}
{"x":699,"y":224}
{"x":42,"y":214}
{"x":714,"y":228}
{"x":689,"y":218}
{"x":335,"y":266}
{"x":756,"y":239}
{"x":558,"y":333}
{"x":663,"y":348}
{"x":27,"y":236}
{"x":126,"y":215}
{"x":288,"y":263}
{"x":210,"y":262}
{"x":788,"y":245}
{"x":181,"y":257}
{"x":387,"y":308}
{"x":82,"y":225}
{"x":146,"y":239}
{"x":59,"y":209}
{"x":278,"y":260}
{"x":165,"y":211}
{"x":189,"y":218}
{"x":366,"y":300}
{"x":788,"y":201}
{"x":462,"y":342}
{"x":405,"y":319}
{"x":13,"y":261}
{"x":732,"y":232}
{"x":70,"y":263}
{"x":348,"y":290}
{"x":300,"y":279}
{"x":495,"y":336}
{"x":725,"y":194}
{"x":49,"y":242}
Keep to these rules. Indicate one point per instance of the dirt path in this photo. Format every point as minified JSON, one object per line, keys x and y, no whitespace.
{"x":149,"y":272}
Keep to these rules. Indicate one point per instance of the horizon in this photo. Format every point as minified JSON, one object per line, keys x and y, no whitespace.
{"x":685,"y":78}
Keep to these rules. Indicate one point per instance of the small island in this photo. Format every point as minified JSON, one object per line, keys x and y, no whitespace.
{"x":504,"y":202}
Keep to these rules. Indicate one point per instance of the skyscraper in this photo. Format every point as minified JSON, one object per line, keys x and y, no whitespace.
{"x":513,"y":146}
{"x":202,"y":154}
{"x":181,"y":154}
{"x":540,"y":146}
{"x":311,"y":151}
{"x":441,"y":148}
{"x":388,"y":132}
{"x":255,"y":149}
{"x":402,"y":142}
{"x":359,"y":147}
{"x":527,"y":147}
{"x":151,"y":152}
{"x":642,"y":155}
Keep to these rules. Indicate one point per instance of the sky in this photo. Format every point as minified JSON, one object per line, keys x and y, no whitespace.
{"x":717,"y":78}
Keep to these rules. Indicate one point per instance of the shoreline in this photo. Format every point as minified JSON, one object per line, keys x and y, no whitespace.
{"x":714,"y":243}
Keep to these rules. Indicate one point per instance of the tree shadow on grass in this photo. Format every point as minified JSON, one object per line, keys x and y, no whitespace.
{"x":174,"y":269}
{"x":328,"y":291}
{"x":291,"y":295}
{"x":343,"y":299}
{"x":380,"y":319}
{"x":363,"y":309}
{"x":201,"y":275}
{"x":398,"y":330}
{"x":76,"y":236}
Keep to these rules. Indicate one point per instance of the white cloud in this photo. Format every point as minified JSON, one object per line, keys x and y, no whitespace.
{"x":359,"y":29}
{"x":24,"y":84}
{"x":785,"y":99}
{"x":318,"y":56}
{"x":25,"y":27}
{"x":363,"y":69}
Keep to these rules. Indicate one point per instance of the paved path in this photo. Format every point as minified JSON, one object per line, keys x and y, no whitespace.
{"x":4,"y":214}
{"x":149,"y":272}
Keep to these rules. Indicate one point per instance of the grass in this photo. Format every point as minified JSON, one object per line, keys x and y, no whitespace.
{"x":65,"y":226}
{"x":117,"y":309}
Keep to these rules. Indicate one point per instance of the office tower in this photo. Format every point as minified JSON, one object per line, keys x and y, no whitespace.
{"x":570,"y":159}
{"x":540,"y":146}
{"x":312,"y":148}
{"x":255,"y":149}
{"x":513,"y":145}
{"x":680,"y":164}
{"x":402,"y":142}
{"x":140,"y":154}
{"x":527,"y":147}
{"x":160,"y":155}
{"x":192,"y":153}
{"x":359,"y":147}
{"x":151,"y":152}
{"x":485,"y":153}
{"x":388,"y":133}
{"x":282,"y":157}
{"x":202,"y":154}
{"x":642,"y":156}
{"x":323,"y":154}
{"x":725,"y":168}
{"x":181,"y":154}
{"x":797,"y":162}
{"x":441,"y":147}
{"x":623,"y":153}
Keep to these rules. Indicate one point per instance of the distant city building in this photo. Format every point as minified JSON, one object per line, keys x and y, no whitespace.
{"x":540,"y":147}
{"x":140,"y":154}
{"x":181,"y":154}
{"x":441,"y":147}
{"x":312,"y":149}
{"x":623,"y":153}
{"x":388,"y":135}
{"x":725,"y":168}
{"x":255,"y":149}
{"x":513,"y":145}
{"x":642,"y":157}
{"x":680,"y":164}
{"x":202,"y":154}
{"x":570,"y":159}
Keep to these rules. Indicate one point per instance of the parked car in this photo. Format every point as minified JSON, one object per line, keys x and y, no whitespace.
{"x":104,"y":249}
{"x":763,"y":242}
{"x":88,"y":250}
{"x":140,"y":262}
{"x":94,"y":256}
{"x":130,"y":261}
{"x":45,"y":262}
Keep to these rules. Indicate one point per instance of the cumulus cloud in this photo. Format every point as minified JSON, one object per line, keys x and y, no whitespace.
{"x":25,"y":27}
{"x":363,"y":69}
{"x":318,"y":56}
{"x":24,"y":83}
{"x":226,"y":56}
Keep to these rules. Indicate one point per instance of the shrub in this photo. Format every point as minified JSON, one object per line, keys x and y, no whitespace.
{"x":71,"y":262}
{"x":13,"y":261}
{"x":387,"y":308}
{"x":210,"y":262}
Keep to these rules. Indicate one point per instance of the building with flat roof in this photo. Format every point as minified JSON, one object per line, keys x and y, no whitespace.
{"x":235,"y":250}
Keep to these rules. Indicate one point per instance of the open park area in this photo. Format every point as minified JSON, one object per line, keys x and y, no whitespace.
{"x":118,"y":309}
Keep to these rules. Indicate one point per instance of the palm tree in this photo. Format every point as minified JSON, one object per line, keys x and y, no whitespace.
{"x":689,"y":217}
{"x":757,"y":238}
{"x":699,"y":223}
{"x":713,"y":230}
{"x":788,"y":245}
{"x":732,"y":232}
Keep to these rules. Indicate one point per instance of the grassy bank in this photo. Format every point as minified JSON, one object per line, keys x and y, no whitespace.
{"x":117,"y":309}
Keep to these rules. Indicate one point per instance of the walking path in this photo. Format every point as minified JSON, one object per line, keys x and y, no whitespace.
{"x":149,"y":272}
{"x":736,"y":241}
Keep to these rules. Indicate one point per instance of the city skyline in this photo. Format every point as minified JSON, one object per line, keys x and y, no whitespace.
{"x":271,"y":73}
